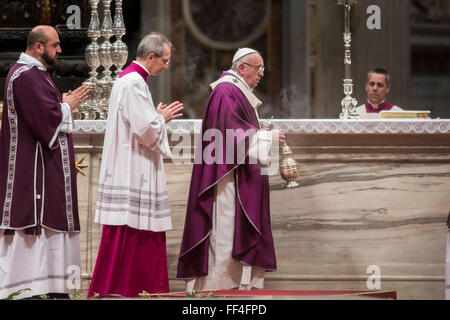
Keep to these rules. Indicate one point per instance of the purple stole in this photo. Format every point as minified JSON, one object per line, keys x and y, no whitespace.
{"x":228,"y":108}
{"x":134,"y":67}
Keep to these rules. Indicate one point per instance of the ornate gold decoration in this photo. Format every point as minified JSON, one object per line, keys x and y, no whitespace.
{"x":79,"y":165}
{"x":46,"y":12}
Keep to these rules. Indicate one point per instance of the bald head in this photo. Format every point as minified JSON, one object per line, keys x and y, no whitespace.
{"x":39,"y":34}
{"x":43,"y":44}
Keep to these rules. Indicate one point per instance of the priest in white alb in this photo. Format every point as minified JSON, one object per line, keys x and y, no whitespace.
{"x":132,"y":203}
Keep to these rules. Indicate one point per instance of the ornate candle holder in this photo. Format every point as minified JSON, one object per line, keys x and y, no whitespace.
{"x":288,"y":165}
{"x":348,"y":103}
{"x":105,"y":59}
{"x":119,"y":50}
{"x":93,"y":61}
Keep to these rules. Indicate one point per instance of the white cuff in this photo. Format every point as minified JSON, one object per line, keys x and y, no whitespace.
{"x":67,"y":123}
{"x":260,"y":145}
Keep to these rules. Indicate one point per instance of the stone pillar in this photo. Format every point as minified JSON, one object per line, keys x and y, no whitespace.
{"x":388,"y":47}
{"x":296,"y":75}
{"x":155,"y":17}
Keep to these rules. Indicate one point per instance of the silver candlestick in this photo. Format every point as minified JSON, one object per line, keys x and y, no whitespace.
{"x":348,"y":103}
{"x":119,"y":50}
{"x":105,"y":60}
{"x":93,"y":61}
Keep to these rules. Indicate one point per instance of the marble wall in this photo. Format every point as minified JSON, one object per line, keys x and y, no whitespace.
{"x":363,"y":200}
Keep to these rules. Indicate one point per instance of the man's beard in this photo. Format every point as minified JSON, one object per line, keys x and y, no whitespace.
{"x":49,"y":61}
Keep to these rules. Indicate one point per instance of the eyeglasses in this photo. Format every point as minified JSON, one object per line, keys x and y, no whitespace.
{"x":165,"y":61}
{"x":257,"y":68}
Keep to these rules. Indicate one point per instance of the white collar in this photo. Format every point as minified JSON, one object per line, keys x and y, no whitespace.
{"x":29,"y":60}
{"x":234,"y":73}
{"x":139,"y":64}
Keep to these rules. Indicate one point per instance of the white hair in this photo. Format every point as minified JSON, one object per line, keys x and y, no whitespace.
{"x":153,"y":42}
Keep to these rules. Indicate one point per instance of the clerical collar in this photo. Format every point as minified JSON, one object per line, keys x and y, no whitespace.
{"x":376,"y":108}
{"x":145,"y":69}
{"x":29,"y":60}
{"x":234,"y":73}
{"x":136,"y":67}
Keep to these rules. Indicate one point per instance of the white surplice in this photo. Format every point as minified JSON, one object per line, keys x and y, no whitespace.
{"x":225,"y":272}
{"x":363,"y":114}
{"x":132,"y":184}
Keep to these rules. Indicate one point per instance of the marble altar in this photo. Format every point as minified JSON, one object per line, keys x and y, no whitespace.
{"x":372,"y":193}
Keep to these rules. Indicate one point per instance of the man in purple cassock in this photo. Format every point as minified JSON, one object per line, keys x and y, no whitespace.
{"x":378,"y":85}
{"x":227,"y":241}
{"x":39,"y":224}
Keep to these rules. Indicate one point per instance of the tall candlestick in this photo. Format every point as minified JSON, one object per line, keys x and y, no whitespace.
{"x":93,"y":61}
{"x":105,"y":59}
{"x":119,"y":50}
{"x":348,"y":103}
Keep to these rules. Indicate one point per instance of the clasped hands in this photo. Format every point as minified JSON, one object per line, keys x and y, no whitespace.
{"x":76,"y":97}
{"x":171,"y":111}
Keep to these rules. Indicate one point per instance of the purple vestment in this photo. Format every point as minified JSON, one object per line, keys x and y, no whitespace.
{"x":385,"y":106}
{"x":37,"y":162}
{"x":228,"y":108}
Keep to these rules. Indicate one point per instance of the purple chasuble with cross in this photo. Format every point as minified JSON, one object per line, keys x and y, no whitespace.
{"x":37,"y":162}
{"x":228,"y":108}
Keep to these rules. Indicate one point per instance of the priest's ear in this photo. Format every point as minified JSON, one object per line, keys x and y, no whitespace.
{"x":241,"y":69}
{"x":152,"y":56}
{"x":39,"y":47}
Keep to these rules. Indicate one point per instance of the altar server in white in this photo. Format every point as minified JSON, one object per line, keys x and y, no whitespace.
{"x":132,"y":202}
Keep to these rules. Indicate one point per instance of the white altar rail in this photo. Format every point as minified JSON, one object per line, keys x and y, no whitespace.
{"x":307,"y":126}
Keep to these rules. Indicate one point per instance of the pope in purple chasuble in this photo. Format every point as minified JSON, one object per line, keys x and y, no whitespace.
{"x":228,"y":109}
